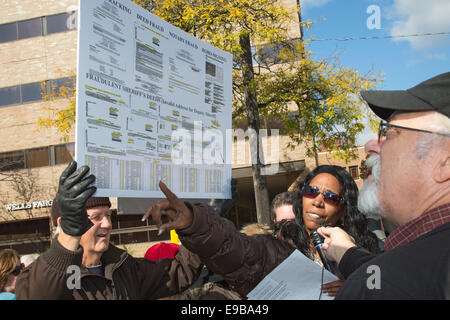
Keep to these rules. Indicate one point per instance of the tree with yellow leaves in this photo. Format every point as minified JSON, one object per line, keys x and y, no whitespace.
{"x":62,"y":118}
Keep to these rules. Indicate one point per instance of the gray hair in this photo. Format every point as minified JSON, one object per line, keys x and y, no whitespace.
{"x":436,"y":122}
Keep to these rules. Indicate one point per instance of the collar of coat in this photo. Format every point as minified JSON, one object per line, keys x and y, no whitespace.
{"x":111,"y":259}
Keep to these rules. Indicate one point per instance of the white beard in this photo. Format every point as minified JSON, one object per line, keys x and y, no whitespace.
{"x":368,"y":202}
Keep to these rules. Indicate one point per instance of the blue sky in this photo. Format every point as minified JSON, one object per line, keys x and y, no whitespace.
{"x":404,"y":62}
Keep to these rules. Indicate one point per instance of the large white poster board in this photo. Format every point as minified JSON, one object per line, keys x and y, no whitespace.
{"x":153,"y":104}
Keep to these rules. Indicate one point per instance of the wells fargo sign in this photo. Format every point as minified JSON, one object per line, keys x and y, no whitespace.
{"x":29,"y":205}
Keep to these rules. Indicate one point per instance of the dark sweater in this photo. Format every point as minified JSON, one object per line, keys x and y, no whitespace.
{"x":417,"y":270}
{"x":125,"y":277}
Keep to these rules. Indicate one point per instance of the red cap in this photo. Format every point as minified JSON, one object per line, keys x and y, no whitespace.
{"x":162,"y":250}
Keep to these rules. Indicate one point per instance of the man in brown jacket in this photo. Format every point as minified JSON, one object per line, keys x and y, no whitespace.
{"x":82,"y":264}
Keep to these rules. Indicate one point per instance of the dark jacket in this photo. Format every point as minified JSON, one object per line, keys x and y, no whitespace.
{"x":242,"y":260}
{"x":417,"y":270}
{"x":125,"y":277}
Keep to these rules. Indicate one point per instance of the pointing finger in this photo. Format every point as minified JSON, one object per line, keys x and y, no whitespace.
{"x":169,"y":194}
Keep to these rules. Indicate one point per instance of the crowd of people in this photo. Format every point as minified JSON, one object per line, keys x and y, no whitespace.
{"x":409,"y":187}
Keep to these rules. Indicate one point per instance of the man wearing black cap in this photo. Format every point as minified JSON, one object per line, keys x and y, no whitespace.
{"x":411,"y":188}
{"x":81,"y":264}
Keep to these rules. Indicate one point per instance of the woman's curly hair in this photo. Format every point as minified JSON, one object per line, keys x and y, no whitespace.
{"x":355,"y":223}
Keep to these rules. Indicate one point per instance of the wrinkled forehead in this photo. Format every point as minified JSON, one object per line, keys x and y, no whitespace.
{"x":426,"y":120}
{"x":98,"y":211}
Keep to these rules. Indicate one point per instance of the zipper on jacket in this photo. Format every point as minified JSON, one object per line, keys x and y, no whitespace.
{"x":113,"y":286}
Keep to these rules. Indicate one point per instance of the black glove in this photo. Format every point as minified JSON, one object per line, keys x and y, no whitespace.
{"x":73,"y":192}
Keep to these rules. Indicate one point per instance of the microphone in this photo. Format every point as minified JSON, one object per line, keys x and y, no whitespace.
{"x":317,"y":240}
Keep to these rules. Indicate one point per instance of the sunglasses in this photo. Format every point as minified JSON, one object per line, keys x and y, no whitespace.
{"x":384,"y":127}
{"x":328,"y":196}
{"x":17,"y":269}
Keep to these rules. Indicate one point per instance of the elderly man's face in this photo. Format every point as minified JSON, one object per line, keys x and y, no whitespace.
{"x":97,"y":241}
{"x":402,"y":173}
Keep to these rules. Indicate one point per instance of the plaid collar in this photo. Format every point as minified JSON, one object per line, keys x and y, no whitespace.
{"x":415,"y":228}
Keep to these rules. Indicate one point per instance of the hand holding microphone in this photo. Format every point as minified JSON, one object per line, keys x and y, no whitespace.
{"x":336,"y":242}
{"x":317,"y":240}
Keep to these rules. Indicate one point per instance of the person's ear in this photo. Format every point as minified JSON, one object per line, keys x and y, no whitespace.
{"x":58,"y":222}
{"x":441,"y":172}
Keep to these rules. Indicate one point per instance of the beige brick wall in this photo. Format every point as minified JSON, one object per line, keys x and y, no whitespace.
{"x":19,"y":128}
{"x":327,"y":158}
{"x":241,"y":151}
{"x":37,"y":59}
{"x":291,"y":5}
{"x":17,"y":10}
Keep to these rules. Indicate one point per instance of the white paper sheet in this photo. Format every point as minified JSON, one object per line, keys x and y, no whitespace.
{"x":147,"y":92}
{"x":296,"y":278}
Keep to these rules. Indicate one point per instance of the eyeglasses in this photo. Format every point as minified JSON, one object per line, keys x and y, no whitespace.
{"x":328,"y":196}
{"x":17,"y":269}
{"x":384,"y":127}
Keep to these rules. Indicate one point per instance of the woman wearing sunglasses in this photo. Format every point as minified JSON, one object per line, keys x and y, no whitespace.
{"x":10,"y":268}
{"x":329,"y":196}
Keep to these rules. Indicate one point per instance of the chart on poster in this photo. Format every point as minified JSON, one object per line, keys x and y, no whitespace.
{"x":153,"y":104}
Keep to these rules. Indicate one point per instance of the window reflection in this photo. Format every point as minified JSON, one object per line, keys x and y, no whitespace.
{"x":10,"y":95}
{"x":31,"y":92}
{"x":30,"y":28}
{"x":38,"y":157}
{"x":36,"y":27}
{"x":12,"y":160}
{"x":64,"y":153}
{"x":61,"y":22}
{"x":8,"y":32}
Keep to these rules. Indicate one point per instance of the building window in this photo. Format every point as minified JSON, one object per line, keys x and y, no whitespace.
{"x":61,"y":22}
{"x":12,"y":160}
{"x":8,"y":32}
{"x":37,"y":27}
{"x":354,"y":172}
{"x":64,"y":153}
{"x":31,"y":92}
{"x":30,"y":28}
{"x":268,"y":54}
{"x":62,"y":82}
{"x":9,"y":95}
{"x":38,"y":157}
